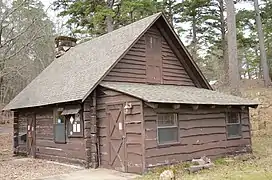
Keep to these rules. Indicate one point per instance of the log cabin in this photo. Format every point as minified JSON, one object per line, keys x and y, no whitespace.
{"x":129,"y":100}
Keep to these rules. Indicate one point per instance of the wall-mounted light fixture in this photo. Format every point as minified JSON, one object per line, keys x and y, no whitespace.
{"x":128,"y":108}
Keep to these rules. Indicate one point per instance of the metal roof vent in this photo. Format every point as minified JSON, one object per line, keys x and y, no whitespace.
{"x":63,"y":44}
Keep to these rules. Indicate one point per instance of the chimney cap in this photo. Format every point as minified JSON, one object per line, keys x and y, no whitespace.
{"x":65,"y":38}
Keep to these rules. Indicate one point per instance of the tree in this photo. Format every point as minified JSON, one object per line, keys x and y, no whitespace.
{"x":214,"y":38}
{"x":195,"y":13}
{"x":96,"y":17}
{"x":265,"y":70}
{"x":232,"y":48}
{"x":26,"y":45}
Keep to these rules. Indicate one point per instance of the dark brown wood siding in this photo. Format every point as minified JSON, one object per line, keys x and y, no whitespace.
{"x":201,"y":132}
{"x":20,"y":128}
{"x":132,"y":67}
{"x":132,"y":126}
{"x":74,"y":149}
{"x":135,"y":65}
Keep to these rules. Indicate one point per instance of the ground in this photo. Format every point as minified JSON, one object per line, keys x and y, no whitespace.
{"x":21,"y":168}
{"x":256,"y":166}
{"x":24,"y":168}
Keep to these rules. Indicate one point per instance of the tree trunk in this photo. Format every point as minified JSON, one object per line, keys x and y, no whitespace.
{"x":247,"y":65}
{"x":264,"y":64}
{"x":232,"y":49}
{"x":224,"y":42}
{"x":109,"y":19}
{"x":194,"y":41}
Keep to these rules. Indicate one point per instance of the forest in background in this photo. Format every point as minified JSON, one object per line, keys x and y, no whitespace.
{"x":27,"y":34}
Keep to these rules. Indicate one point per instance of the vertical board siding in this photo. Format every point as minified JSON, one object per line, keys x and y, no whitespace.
{"x":132,"y":127}
{"x":201,"y":132}
{"x":132,"y":67}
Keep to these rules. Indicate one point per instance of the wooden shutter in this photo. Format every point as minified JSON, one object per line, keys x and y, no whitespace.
{"x":153,"y":59}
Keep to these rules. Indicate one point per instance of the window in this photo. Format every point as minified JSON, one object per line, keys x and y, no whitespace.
{"x":167,"y":128}
{"x":75,"y":125}
{"x":59,"y":126}
{"x":233,"y":125}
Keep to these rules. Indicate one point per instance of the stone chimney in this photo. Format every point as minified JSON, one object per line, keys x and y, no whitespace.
{"x":63,"y":44}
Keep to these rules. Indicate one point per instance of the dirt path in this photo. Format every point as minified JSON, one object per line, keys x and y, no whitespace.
{"x":93,"y":174}
{"x":5,"y":129}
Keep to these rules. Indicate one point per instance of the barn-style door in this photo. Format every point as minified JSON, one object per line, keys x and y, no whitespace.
{"x":116,"y":137}
{"x":31,"y":135}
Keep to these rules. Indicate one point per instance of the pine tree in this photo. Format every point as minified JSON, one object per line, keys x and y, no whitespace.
{"x":232,"y":48}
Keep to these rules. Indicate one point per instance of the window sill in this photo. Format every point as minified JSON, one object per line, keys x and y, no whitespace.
{"x":234,"y":137}
{"x":169,"y":144}
{"x":75,"y":136}
{"x":57,"y":142}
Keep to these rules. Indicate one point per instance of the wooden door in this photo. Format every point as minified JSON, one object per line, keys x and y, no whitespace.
{"x":31,"y":135}
{"x":116,"y":137}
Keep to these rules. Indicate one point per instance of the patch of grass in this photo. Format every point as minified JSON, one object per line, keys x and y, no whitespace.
{"x":256,"y":166}
{"x":221,"y":161}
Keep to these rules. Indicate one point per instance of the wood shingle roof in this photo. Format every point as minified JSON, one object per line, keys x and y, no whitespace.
{"x":161,"y":93}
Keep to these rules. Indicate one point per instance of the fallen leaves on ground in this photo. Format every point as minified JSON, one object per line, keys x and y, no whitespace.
{"x":21,"y":168}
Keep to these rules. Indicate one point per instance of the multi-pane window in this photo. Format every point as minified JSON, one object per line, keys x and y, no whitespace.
{"x":233,"y":125}
{"x":167,"y":128}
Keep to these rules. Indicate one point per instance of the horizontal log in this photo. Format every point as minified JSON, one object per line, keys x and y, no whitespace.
{"x":131,"y":66}
{"x":120,"y":75}
{"x":134,"y":149}
{"x":195,"y":116}
{"x":203,"y":139}
{"x":61,"y":159}
{"x":134,"y":138}
{"x":202,"y":123}
{"x":75,"y":154}
{"x":189,"y":149}
{"x":185,"y":132}
{"x":75,"y":145}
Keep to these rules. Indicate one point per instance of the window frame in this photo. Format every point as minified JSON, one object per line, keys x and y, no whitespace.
{"x":55,"y":123}
{"x":167,"y":127}
{"x":239,"y":123}
{"x":70,"y":126}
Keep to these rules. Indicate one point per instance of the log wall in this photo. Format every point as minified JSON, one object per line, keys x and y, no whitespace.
{"x":73,"y":151}
{"x":132,"y":126}
{"x":201,"y":132}
{"x":90,"y":131}
{"x":19,"y":129}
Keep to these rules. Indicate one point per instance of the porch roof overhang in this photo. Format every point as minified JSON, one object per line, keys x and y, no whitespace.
{"x":174,"y":94}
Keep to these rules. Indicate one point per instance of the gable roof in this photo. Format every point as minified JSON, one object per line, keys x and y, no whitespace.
{"x":177,"y":94}
{"x":74,"y":75}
